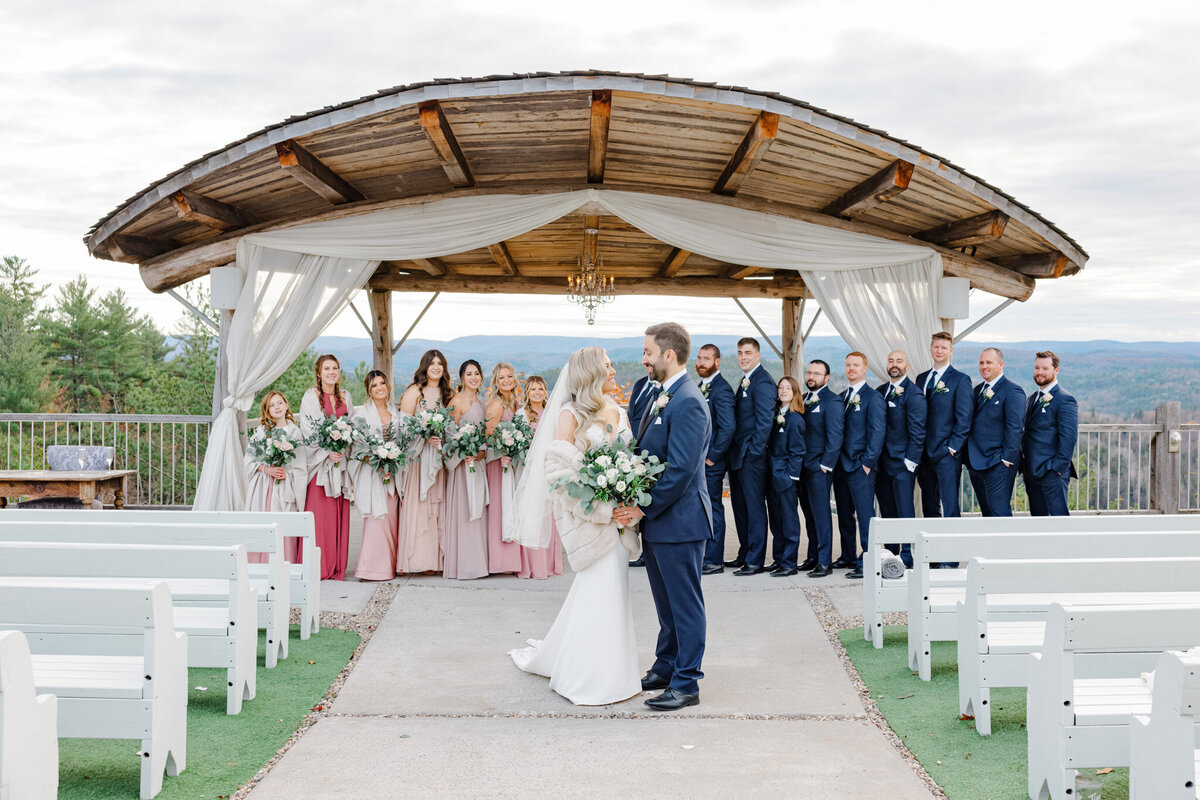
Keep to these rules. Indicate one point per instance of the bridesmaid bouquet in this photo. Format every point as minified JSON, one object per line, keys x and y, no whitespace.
{"x":615,"y":474}
{"x":428,"y":423}
{"x":512,"y":439}
{"x":467,"y":441}
{"x":335,"y":434}
{"x":385,"y":455}
{"x":275,"y":448}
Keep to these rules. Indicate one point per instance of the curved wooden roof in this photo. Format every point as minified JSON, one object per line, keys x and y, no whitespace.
{"x":556,"y":131}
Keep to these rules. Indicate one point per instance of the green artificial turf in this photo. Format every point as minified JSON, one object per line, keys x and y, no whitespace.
{"x":925,"y":716}
{"x":223,"y":752}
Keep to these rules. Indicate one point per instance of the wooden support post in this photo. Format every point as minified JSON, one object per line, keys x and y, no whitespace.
{"x":1164,"y":459}
{"x":221,"y":378}
{"x":381,"y":332}
{"x":793,"y":343}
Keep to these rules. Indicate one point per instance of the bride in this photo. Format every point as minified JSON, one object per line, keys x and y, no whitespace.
{"x":589,"y":655}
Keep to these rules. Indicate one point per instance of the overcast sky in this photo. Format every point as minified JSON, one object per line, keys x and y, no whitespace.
{"x":1089,"y":118}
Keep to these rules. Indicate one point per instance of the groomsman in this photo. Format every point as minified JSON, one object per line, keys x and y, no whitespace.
{"x":903,"y":444}
{"x":994,"y":446}
{"x":862,"y":444}
{"x":754,"y":408}
{"x":719,"y":394}
{"x":1051,"y":430}
{"x":950,"y":409}
{"x":823,"y":419}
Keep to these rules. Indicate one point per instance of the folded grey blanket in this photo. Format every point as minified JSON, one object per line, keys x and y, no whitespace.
{"x":890,"y":565}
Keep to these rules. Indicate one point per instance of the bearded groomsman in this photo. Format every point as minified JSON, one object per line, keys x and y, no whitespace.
{"x":719,"y":394}
{"x":994,"y":446}
{"x":1047,"y":448}
{"x":823,"y":419}
{"x":950,"y":409}
{"x":903,"y":444}
{"x":754,"y":410}
{"x":862,"y":444}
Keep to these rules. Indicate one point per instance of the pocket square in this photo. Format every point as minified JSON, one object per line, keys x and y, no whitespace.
{"x":658,"y":420}
{"x":891,"y":403}
{"x":816,"y":410}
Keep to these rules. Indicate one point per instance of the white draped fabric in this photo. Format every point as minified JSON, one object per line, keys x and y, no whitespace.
{"x":880,"y":294}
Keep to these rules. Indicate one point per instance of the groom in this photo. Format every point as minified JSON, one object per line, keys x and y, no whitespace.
{"x":678,"y":522}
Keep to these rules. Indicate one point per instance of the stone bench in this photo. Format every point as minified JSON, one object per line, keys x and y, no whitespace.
{"x":28,"y":727}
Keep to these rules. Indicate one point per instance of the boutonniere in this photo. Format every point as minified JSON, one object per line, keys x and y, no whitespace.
{"x":705,"y":389}
{"x":988,"y":394}
{"x":812,"y":401}
{"x":1045,"y":401}
{"x":660,"y":404}
{"x":856,"y":403}
{"x":897,"y":391}
{"x":745,"y":383}
{"x":940,"y":388}
{"x":781,"y":417}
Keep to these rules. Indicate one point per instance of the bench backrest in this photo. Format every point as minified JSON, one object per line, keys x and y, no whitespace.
{"x":1117,"y":628}
{"x":16,"y":672}
{"x":257,"y":538}
{"x":1082,"y":575}
{"x":294,"y":523}
{"x":897,"y":531}
{"x":1041,"y":544}
{"x":79,"y":560}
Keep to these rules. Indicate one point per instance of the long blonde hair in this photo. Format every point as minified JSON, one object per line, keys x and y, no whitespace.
{"x":494,"y":392}
{"x":530,"y":413}
{"x":587,"y":372}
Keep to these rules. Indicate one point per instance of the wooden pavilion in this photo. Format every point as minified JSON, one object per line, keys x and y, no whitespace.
{"x":554,"y":132}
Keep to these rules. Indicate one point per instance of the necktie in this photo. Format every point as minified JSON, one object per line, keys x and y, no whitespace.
{"x":808,"y":397}
{"x":654,"y":392}
{"x":931,"y":381}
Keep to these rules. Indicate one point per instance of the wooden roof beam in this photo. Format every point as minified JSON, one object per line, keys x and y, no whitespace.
{"x":745,"y":158}
{"x":503,"y":259}
{"x":879,"y":188}
{"x":737,"y":273}
{"x":679,"y":287}
{"x":315,"y":174}
{"x":135,"y":249}
{"x":981,"y":228}
{"x":1035,"y":265}
{"x":433,"y":266}
{"x":598,"y":134}
{"x":441,"y":136}
{"x":210,"y":213}
{"x":673,"y":263}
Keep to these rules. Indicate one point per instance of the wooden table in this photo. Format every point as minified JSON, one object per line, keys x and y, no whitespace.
{"x":84,"y":484}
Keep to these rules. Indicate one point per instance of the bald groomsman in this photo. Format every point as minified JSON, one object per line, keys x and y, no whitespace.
{"x":903,"y":444}
{"x":994,"y":446}
{"x":823,"y":419}
{"x":1047,"y":448}
{"x":862,"y":444}
{"x":719,"y":395}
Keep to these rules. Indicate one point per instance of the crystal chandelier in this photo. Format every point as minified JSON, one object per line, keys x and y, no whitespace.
{"x":590,"y":288}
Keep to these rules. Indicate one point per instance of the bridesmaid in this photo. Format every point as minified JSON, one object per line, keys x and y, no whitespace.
{"x":421,"y":524}
{"x":537,"y":563}
{"x":502,"y":406}
{"x":329,"y":486}
{"x":378,"y":502}
{"x":786,"y":459}
{"x":277,"y":488}
{"x":466,"y":537}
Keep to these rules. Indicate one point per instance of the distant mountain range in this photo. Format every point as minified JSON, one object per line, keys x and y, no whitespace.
{"x":1111,"y":380}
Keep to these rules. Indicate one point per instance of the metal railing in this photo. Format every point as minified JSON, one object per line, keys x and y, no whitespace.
{"x":166,"y":452}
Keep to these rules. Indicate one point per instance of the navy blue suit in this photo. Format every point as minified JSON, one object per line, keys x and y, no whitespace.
{"x":677,"y":526}
{"x":786,"y":449}
{"x":996,"y":438}
{"x":949,"y":412}
{"x":823,"y":422}
{"x":753,"y":409}
{"x":1051,"y":430}
{"x":638,"y":398}
{"x":903,"y":439}
{"x":720,"y":411}
{"x":862,"y":444}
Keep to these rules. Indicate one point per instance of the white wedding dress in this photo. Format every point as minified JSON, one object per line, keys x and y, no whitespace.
{"x":590,"y":655}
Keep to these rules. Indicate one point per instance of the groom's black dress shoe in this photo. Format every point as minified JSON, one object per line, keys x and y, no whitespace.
{"x":712,"y":569}
{"x":652,"y":681}
{"x":670,"y":700}
{"x":737,"y":562}
{"x":748,"y":570}
{"x":821,"y":571}
{"x":809,"y":563}
{"x":638,"y":562}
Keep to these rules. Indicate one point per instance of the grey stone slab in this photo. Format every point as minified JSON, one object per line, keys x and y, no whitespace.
{"x":346,"y":597}
{"x":847,"y":600}
{"x":531,"y":758}
{"x":443,"y":650}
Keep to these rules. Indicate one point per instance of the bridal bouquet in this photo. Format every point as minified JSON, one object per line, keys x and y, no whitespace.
{"x":467,"y":441}
{"x":512,"y":439}
{"x":335,"y":434}
{"x":615,"y":474}
{"x":383,"y":454}
{"x":275,"y":448}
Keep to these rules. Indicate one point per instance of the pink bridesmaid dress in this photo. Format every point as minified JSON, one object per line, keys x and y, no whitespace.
{"x":466,"y":539}
{"x":502,"y":556}
{"x":331,"y":516}
{"x":421,"y":519}
{"x":538,"y":563}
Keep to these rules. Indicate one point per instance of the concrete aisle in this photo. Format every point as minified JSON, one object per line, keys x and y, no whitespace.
{"x":435,"y":708}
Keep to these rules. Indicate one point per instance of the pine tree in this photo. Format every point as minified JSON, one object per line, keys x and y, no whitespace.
{"x":25,"y":385}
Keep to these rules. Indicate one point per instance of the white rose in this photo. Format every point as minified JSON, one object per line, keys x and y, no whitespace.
{"x":621,"y":486}
{"x":601,"y":481}
{"x":285,"y":445}
{"x":640,"y":469}
{"x":611,"y":474}
{"x":603,"y":461}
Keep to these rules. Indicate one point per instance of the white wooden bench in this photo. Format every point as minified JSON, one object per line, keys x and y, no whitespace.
{"x":132,"y":687}
{"x":1164,"y":756}
{"x":891,"y":595}
{"x":1003,"y":616}
{"x":273,"y":589}
{"x":220,"y":619}
{"x":28,"y":727}
{"x":305,"y":578}
{"x":1076,"y":722}
{"x":932,"y":608}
